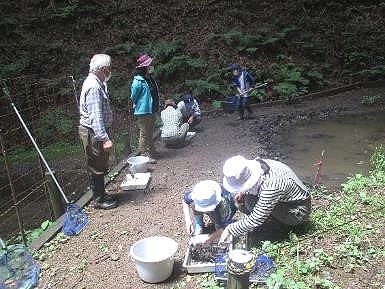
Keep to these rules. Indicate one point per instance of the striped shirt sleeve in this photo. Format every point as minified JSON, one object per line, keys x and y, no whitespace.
{"x":268,"y":198}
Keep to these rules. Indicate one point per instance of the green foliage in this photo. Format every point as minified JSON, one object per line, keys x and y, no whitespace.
{"x":124,"y":49}
{"x":204,"y":88}
{"x":370,"y":99}
{"x":51,"y":151}
{"x":178,"y":66}
{"x":278,"y":280}
{"x":373,"y":73}
{"x":355,"y":60}
{"x":208,"y":281}
{"x":14,"y":69}
{"x":377,"y":159}
{"x":164,"y":51}
{"x":291,"y":80}
{"x":216,"y":105}
{"x":250,"y":43}
{"x":54,"y":124}
{"x":67,"y":11}
{"x":33,"y":234}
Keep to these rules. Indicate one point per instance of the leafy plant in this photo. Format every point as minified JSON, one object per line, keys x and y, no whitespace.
{"x":377,"y":159}
{"x":180,"y":64}
{"x":33,"y":234}
{"x":373,"y":73}
{"x":126,"y":48}
{"x":204,"y":88}
{"x":51,"y":151}
{"x":53,"y":124}
{"x":370,"y":99}
{"x":208,"y":281}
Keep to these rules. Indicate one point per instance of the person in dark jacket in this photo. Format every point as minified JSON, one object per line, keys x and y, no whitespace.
{"x":243,"y":81}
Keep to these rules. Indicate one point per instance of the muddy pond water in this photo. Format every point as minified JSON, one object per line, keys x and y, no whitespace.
{"x":348,"y":142}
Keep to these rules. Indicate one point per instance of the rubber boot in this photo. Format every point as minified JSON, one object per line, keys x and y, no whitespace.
{"x":241,"y":113}
{"x":102,"y":200}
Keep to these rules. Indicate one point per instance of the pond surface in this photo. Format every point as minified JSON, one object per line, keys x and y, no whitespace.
{"x":347,"y":141}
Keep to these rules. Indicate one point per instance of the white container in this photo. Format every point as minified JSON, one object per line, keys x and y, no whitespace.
{"x":138,"y":164}
{"x":154,"y":258}
{"x":138,"y":181}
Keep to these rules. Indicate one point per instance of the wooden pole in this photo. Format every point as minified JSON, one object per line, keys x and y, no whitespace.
{"x":54,"y":196}
{"x":12,"y":188}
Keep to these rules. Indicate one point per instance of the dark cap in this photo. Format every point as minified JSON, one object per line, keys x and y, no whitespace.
{"x":187,"y":98}
{"x":234,"y":66}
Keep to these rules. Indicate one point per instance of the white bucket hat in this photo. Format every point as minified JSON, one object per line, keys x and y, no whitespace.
{"x":206,"y":196}
{"x":240,"y":174}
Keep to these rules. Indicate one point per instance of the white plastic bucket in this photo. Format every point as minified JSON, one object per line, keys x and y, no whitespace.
{"x":138,"y":164}
{"x":154,"y":258}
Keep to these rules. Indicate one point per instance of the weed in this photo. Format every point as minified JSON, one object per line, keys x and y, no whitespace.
{"x":54,"y":124}
{"x":377,"y":159}
{"x":83,"y":265}
{"x":204,"y":88}
{"x":178,"y":65}
{"x":208,"y":281}
{"x":51,"y":151}
{"x":216,"y":104}
{"x":373,"y":73}
{"x":370,"y":99}
{"x":33,"y":234}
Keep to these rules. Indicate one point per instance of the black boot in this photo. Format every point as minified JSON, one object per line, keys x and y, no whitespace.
{"x":102,"y":200}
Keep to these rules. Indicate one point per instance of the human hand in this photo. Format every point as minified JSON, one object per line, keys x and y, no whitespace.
{"x":239,"y":198}
{"x":199,"y":239}
{"x":223,"y":241}
{"x":107,"y":145}
{"x":190,"y":120}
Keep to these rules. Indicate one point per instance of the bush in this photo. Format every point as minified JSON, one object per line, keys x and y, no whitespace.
{"x":180,"y":64}
{"x":53,"y":125}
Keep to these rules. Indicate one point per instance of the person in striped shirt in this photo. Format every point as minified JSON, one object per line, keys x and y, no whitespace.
{"x":269,"y":193}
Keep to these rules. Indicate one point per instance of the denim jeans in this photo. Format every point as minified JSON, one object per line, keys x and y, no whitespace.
{"x":244,"y":105}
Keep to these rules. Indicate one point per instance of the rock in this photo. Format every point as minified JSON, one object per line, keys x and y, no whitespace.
{"x":115,"y":257}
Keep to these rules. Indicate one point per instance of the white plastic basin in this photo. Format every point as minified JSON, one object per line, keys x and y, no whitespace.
{"x":154,"y":258}
{"x":138,"y":164}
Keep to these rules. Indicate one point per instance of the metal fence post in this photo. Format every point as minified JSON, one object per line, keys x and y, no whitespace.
{"x":54,"y":196}
{"x":12,"y":188}
{"x":127,"y":149}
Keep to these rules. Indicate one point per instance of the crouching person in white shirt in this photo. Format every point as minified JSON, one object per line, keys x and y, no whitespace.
{"x":174,"y":131}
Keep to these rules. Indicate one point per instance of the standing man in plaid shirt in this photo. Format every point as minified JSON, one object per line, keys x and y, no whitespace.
{"x":95,"y":125}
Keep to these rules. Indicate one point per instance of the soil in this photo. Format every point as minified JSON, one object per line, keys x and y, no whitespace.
{"x":99,"y":256}
{"x":204,"y":254}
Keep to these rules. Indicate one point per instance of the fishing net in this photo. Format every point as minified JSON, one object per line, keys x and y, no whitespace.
{"x":75,"y":219}
{"x":18,"y":269}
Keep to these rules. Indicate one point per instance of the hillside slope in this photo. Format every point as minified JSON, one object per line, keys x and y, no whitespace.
{"x":310,"y":43}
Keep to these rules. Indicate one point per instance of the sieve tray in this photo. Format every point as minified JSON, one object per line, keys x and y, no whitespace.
{"x":139,"y":182}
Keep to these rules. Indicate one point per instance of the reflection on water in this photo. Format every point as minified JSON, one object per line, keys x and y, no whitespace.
{"x":348,"y":142}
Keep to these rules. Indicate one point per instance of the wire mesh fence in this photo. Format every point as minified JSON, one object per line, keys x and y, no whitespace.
{"x":49,"y":107}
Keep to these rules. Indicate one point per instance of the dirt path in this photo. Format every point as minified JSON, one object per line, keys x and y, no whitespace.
{"x":98,"y":257}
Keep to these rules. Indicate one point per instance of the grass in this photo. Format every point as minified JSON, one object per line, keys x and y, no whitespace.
{"x":343,"y":241}
{"x":51,"y":151}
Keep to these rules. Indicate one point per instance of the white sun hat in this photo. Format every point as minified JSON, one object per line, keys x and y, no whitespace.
{"x":206,"y":195}
{"x":240,"y":174}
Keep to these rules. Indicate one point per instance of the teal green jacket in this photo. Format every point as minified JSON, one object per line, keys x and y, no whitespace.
{"x":141,"y":96}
